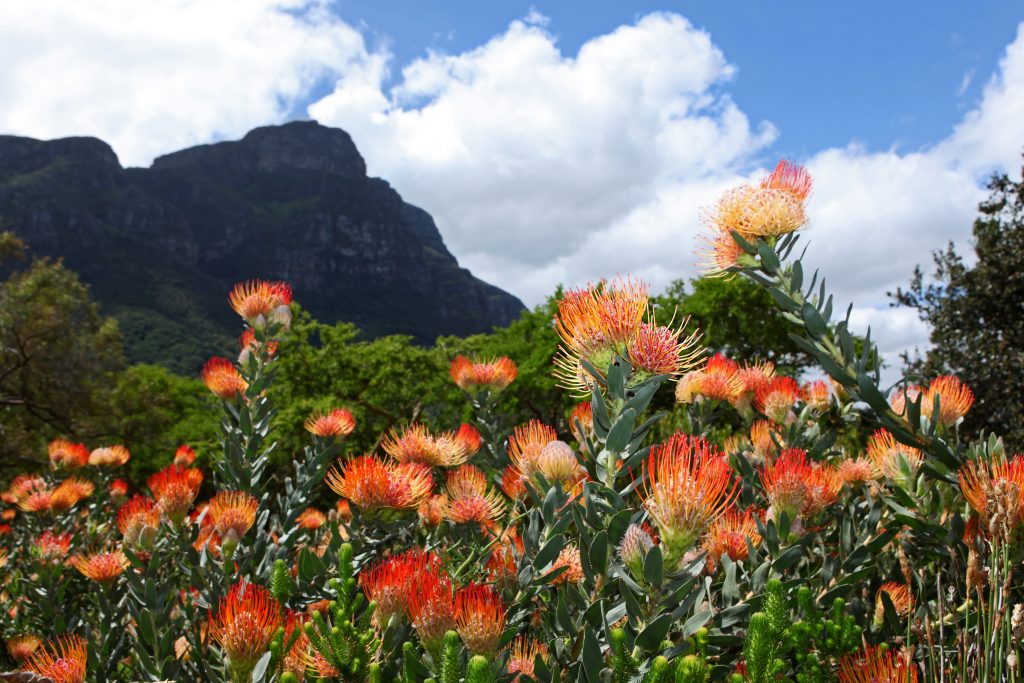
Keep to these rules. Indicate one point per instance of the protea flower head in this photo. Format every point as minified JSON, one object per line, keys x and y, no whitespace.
{"x":415,"y":444}
{"x":877,"y":664}
{"x":633,"y":549}
{"x":791,"y":178}
{"x":522,"y":656}
{"x":311,"y":519}
{"x":34,"y":495}
{"x":52,"y":547}
{"x":526,"y":443}
{"x":469,"y":500}
{"x":901,"y":597}
{"x":719,"y":253}
{"x":468,"y":439}
{"x":718,"y":380}
{"x":336,"y":422}
{"x":371,"y":484}
{"x":955,"y":399}
{"x":139,"y":520}
{"x":777,"y":397}
{"x":558,"y":463}
{"x":995,"y":490}
{"x":102,"y":567}
{"x":175,"y":489}
{"x":503,"y":564}
{"x":512,"y":483}
{"x":752,"y":376}
{"x":492,"y":375}
{"x":260,"y":301}
{"x":109,"y":456}
{"x":901,"y":397}
{"x":687,"y":486}
{"x":185,"y":455}
{"x":797,"y":486}
{"x":62,"y":660}
{"x":433,"y":510}
{"x":894,"y":460}
{"x":23,"y":646}
{"x":69,"y":493}
{"x":118,"y":489}
{"x":246,"y":620}
{"x":479,"y":618}
{"x":659,"y":350}
{"x":857,"y":470}
{"x":389,"y":582}
{"x":763,"y":437}
{"x":233,"y":513}
{"x":223,"y":379}
{"x":68,"y":455}
{"x":431,"y":607}
{"x":294,"y":660}
{"x":728,"y":535}
{"x":817,"y":395}
{"x":569,"y":558}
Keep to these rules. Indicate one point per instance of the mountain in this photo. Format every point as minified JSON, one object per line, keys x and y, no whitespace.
{"x":161,"y":246}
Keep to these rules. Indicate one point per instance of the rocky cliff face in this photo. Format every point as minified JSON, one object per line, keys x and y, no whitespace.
{"x":161,"y":246}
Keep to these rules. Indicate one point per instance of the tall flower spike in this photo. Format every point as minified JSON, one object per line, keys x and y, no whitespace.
{"x":687,"y":486}
{"x":479,"y":618}
{"x":222,"y":378}
{"x":62,"y":660}
{"x":372,"y":484}
{"x":492,"y":375}
{"x":246,"y":620}
{"x":336,"y":422}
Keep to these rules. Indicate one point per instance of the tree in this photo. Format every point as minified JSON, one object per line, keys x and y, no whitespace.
{"x":976,"y":314}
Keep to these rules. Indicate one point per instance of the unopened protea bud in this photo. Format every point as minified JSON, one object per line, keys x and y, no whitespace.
{"x":557,"y":462}
{"x":633,"y":549}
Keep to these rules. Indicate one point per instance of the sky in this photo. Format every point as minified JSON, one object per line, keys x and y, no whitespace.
{"x":558,"y":143}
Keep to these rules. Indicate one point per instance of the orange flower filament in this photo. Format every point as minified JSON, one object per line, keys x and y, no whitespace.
{"x":479,"y":618}
{"x":66,"y":454}
{"x":337,"y":422}
{"x":490,"y":375}
{"x":102,"y":567}
{"x":469,"y":501}
{"x":62,"y":660}
{"x":233,"y":513}
{"x":245,"y":623}
{"x":372,"y":484}
{"x":175,"y":489}
{"x":223,"y":379}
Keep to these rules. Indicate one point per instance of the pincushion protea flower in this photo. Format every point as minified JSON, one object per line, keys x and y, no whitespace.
{"x":817,"y":395}
{"x":249,"y":345}
{"x":522,"y":656}
{"x":995,"y":487}
{"x":582,"y":418}
{"x":175,"y":489}
{"x":468,"y":439}
{"x":118,"y":489}
{"x":687,"y":486}
{"x":901,"y":597}
{"x":876,"y":665}
{"x":296,"y":656}
{"x":503,"y":564}
{"x":433,"y":510}
{"x":64,"y":454}
{"x":431,"y":607}
{"x":34,"y":496}
{"x":102,"y":567}
{"x":69,"y":493}
{"x":52,"y":547}
{"x":109,"y":456}
{"x":718,"y":380}
{"x":512,"y":483}
{"x":233,"y":513}
{"x":246,"y":620}
{"x":955,"y":399}
{"x":479,"y":618}
{"x":469,"y":501}
{"x":856,"y":470}
{"x":23,"y":646}
{"x":336,"y":422}
{"x":222,"y":378}
{"x":492,"y":375}
{"x":415,"y":444}
{"x":901,"y":397}
{"x":763,"y":437}
{"x":894,"y":460}
{"x":185,"y":455}
{"x":373,"y":484}
{"x":259,"y":301}
{"x":728,"y":535}
{"x":777,"y":397}
{"x":62,"y":660}
{"x":311,"y":519}
{"x":558,"y":463}
{"x":797,"y":486}
{"x":389,"y":582}
{"x":526,"y":443}
{"x":752,"y":376}
{"x":659,"y":350}
{"x":139,"y":520}
{"x":569,"y":558}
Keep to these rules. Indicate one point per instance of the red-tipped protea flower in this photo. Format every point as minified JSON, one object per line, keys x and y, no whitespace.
{"x":479,"y":618}
{"x":34,"y":496}
{"x":633,"y":549}
{"x":523,"y":655}
{"x":718,"y":380}
{"x":901,"y":597}
{"x":222,"y":378}
{"x":503,"y":564}
{"x":512,"y":483}
{"x":259,"y":301}
{"x":175,"y":489}
{"x":295,"y":658}
{"x":687,"y":486}
{"x":185,"y":455}
{"x":139,"y":520}
{"x":118,"y":489}
{"x":877,"y":665}
{"x":955,"y":399}
{"x":894,"y":460}
{"x":52,"y":547}
{"x":389,"y":582}
{"x":373,"y":484}
{"x":763,"y":437}
{"x":433,"y":510}
{"x":337,"y":422}
{"x":23,"y":646}
{"x":311,"y":519}
{"x":469,"y":501}
{"x":791,"y":178}
{"x":246,"y":620}
{"x":526,"y":443}
{"x":660,"y":350}
{"x":489,"y":375}
{"x":569,"y":559}
{"x":777,"y":398}
{"x":728,"y":536}
{"x":62,"y":660}
{"x":996,"y":485}
{"x":109,"y":456}
{"x":719,"y":252}
{"x":102,"y":567}
{"x":64,"y":454}
{"x":69,"y":493}
{"x":798,"y":486}
{"x":857,"y":470}
{"x":468,"y":439}
{"x":415,"y":444}
{"x":233,"y":513}
{"x":752,"y":377}
{"x":817,"y":395}
{"x":431,"y":607}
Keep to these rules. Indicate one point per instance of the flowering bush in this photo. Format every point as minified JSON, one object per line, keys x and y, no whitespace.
{"x":844,"y":533}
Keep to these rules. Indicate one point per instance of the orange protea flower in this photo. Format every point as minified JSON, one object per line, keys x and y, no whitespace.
{"x":246,"y":621}
{"x":582,"y":416}
{"x":658,"y":350}
{"x":523,"y":654}
{"x":433,"y":510}
{"x":35,"y":496}
{"x":109,"y":456}
{"x":52,"y":547}
{"x":876,"y":665}
{"x":901,"y":597}
{"x":233,"y":513}
{"x":223,"y":379}
{"x":431,"y":607}
{"x":526,"y":443}
{"x":66,"y":454}
{"x":102,"y":567}
{"x":62,"y":660}
{"x":69,"y":493}
{"x":468,"y":440}
{"x":894,"y":460}
{"x":721,"y":379}
{"x":311,"y":519}
{"x":995,"y":486}
{"x":185,"y":455}
{"x":22,"y":486}
{"x":118,"y":489}
{"x":728,"y":535}
{"x":777,"y":397}
{"x":415,"y":444}
{"x":512,"y":483}
{"x":8,"y":515}
{"x":468,"y":498}
{"x":175,"y":489}
{"x":569,"y":558}
{"x":854,"y":470}
{"x":389,"y":582}
{"x":752,"y":377}
{"x":720,"y":252}
{"x":294,"y":660}
{"x":23,"y":646}
{"x":479,"y":618}
{"x":901,"y":397}
{"x":797,"y":486}
{"x":337,"y":422}
{"x":503,"y":565}
{"x":373,"y":484}
{"x":344,"y":511}
{"x":687,"y":486}
{"x":791,"y":178}
{"x":817,"y":395}
{"x":955,"y":399}
{"x":259,"y":300}
{"x":138,"y":520}
{"x":761,"y":433}
{"x":490,"y":375}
